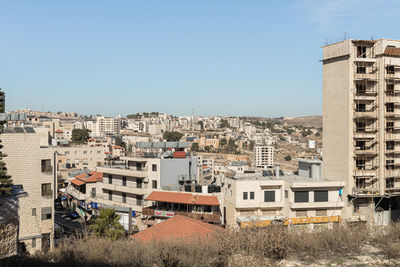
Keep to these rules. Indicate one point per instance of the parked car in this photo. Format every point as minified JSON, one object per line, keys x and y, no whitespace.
{"x":73,"y":215}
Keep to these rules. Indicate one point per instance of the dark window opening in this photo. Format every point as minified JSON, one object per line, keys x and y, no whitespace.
{"x":390,"y":182}
{"x":389,"y":145}
{"x":360,"y":145}
{"x":361,"y":70}
{"x":321,"y":196}
{"x":360,"y":107}
{"x":244,"y":195}
{"x":301,"y":196}
{"x":360,"y":164}
{"x":269,"y":196}
{"x":390,"y":69}
{"x":390,"y":88}
{"x":389,"y":107}
{"x":360,"y":183}
{"x":362,"y":51}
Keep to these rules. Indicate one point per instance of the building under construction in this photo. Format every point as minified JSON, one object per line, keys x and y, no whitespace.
{"x":361,"y":126}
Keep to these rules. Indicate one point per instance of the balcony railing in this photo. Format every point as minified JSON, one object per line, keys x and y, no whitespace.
{"x":47,"y":170}
{"x":206,"y":217}
{"x":47,"y":193}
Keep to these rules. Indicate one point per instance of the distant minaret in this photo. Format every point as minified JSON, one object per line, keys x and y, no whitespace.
{"x":192,"y":119}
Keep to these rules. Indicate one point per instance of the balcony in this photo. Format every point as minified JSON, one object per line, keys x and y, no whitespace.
{"x":47,"y":193}
{"x":365,"y":97}
{"x":48,"y":170}
{"x":126,"y":189}
{"x":392,"y":76}
{"x":365,"y":171}
{"x":206,"y":217}
{"x":124,"y":171}
{"x":367,"y":151}
{"x":365,"y":191}
{"x":313,"y":205}
{"x":76,"y":193}
{"x":365,"y":76}
{"x":393,"y":114}
{"x":366,"y":113}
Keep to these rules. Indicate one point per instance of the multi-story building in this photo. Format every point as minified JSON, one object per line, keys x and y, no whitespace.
{"x":33,"y":167}
{"x":291,"y":199}
{"x":79,"y":158}
{"x":361,"y":122}
{"x":107,"y":126}
{"x":263,"y":155}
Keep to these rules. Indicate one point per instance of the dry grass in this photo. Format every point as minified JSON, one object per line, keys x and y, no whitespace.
{"x":253,"y":247}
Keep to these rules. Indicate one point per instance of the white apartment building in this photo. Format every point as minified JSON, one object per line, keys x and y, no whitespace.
{"x":361,"y":122}
{"x":258,"y":200}
{"x":263,"y":155}
{"x":107,"y":125}
{"x":33,"y":167}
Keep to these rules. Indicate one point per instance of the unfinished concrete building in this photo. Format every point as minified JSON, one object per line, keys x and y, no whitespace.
{"x":361,"y":122}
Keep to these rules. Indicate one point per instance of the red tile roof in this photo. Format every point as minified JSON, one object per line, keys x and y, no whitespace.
{"x":92,"y":177}
{"x":184,"y":198}
{"x":118,"y":147}
{"x":77,"y":182}
{"x":91,"y":139}
{"x":59,"y":131}
{"x":177,"y":227}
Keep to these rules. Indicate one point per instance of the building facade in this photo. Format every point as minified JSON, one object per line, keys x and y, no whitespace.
{"x":33,"y":167}
{"x":263,"y":155}
{"x":361,"y":116}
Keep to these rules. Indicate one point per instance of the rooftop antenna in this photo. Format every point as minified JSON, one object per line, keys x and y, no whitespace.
{"x":192,"y":119}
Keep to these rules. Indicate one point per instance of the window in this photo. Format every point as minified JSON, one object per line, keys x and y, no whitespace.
{"x":93,"y":192}
{"x":360,"y":164}
{"x":301,"y":213}
{"x":360,"y":145}
{"x":390,"y":125}
{"x":98,"y":152}
{"x":389,"y":88}
{"x":154,"y":184}
{"x":321,"y":213}
{"x":139,"y":201}
{"x":66,"y":152}
{"x":110,"y":179}
{"x":360,"y":88}
{"x":139,"y":183}
{"x":286,"y":194}
{"x":46,"y":213}
{"x":389,"y":107}
{"x":123,"y":181}
{"x":123,"y":197}
{"x":251,"y":195}
{"x":109,"y":195}
{"x":361,"y":69}
{"x":33,"y":242}
{"x":34,"y":212}
{"x":390,"y":164}
{"x":390,"y":69}
{"x":390,"y":182}
{"x":360,"y":126}
{"x":389,"y":145}
{"x":321,"y":196}
{"x":244,"y":195}
{"x":154,"y":167}
{"x":361,"y":51}
{"x":269,"y":196}
{"x":301,"y":196}
{"x":360,"y":183}
{"x":360,"y":107}
{"x":46,"y":190}
{"x":84,"y":152}
{"x":46,"y":166}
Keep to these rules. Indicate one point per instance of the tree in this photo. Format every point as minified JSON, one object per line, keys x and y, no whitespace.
{"x":251,"y":145}
{"x":201,"y":123}
{"x":195,"y":147}
{"x":223,"y":142}
{"x":107,"y":225}
{"x":288,"y":158}
{"x":5,"y":179}
{"x":80,"y":136}
{"x":172,"y":136}
{"x":224,"y":123}
{"x":119,"y":142}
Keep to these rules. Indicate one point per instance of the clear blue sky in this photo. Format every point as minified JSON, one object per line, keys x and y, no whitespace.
{"x":219,"y":57}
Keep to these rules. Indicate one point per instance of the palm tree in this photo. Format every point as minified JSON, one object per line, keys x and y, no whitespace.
{"x":107,"y":225}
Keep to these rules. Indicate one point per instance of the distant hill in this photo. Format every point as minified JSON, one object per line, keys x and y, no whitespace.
{"x":308,"y":121}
